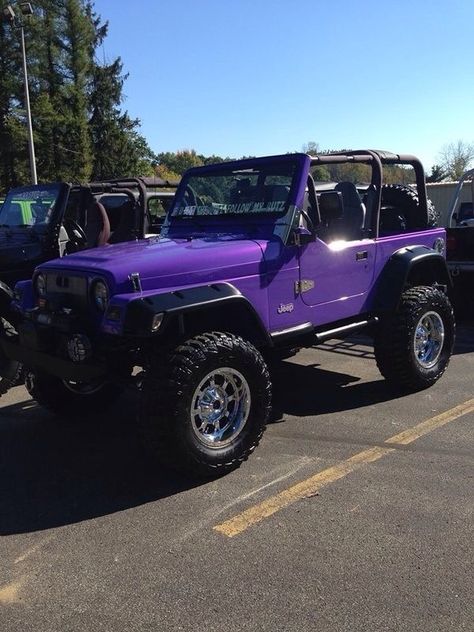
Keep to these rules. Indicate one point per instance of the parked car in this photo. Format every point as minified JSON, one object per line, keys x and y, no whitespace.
{"x":45,"y":221}
{"x":252,"y":259}
{"x":460,"y":244}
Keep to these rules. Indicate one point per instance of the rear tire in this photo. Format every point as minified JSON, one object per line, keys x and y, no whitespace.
{"x":413,"y":345}
{"x":406,"y":201}
{"x":11,"y":372}
{"x":70,"y":398}
{"x":204,"y":408}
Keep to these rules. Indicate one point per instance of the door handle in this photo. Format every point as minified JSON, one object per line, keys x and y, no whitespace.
{"x":361,"y":255}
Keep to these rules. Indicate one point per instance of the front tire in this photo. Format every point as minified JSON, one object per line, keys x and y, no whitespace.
{"x":413,"y":346}
{"x":74,"y":399}
{"x":204,"y":408}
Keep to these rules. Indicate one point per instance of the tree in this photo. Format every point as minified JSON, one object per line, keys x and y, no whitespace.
{"x":178,"y":162}
{"x":78,"y":43}
{"x":456,"y":157}
{"x":80,"y":129}
{"x":13,"y":138}
{"x":311,"y":147}
{"x":118,"y":147}
{"x":438,"y":174}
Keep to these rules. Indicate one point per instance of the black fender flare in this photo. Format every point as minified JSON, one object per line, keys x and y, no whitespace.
{"x":140,"y":311}
{"x":420,"y":262}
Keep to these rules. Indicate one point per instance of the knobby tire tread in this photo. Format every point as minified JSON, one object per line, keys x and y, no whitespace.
{"x":167,"y":382}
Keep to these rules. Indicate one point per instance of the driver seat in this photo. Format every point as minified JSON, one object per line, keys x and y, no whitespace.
{"x":353,"y":219}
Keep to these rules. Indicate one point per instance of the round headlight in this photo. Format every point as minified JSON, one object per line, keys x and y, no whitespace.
{"x":100,"y":294}
{"x":40,"y":285}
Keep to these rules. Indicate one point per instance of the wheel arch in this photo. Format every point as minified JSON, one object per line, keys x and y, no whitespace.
{"x":414,"y":265}
{"x":187,"y":312}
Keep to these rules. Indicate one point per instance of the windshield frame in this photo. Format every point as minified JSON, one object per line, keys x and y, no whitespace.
{"x":219,"y":169}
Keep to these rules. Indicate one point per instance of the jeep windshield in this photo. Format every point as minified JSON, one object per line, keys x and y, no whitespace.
{"x":259,"y":189}
{"x":29,"y":206}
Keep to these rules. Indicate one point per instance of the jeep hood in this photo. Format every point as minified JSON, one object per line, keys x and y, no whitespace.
{"x":167,"y":262}
{"x":18,"y":247}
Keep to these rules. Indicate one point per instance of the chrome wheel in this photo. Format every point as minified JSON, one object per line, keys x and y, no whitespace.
{"x":220,"y":407}
{"x":429,"y":338}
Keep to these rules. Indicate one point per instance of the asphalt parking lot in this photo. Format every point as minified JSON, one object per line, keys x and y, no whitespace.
{"x":355,"y":513}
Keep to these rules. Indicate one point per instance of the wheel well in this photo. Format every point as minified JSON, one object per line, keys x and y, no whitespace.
{"x":408,"y":269}
{"x":428,"y":273}
{"x":234,"y":316}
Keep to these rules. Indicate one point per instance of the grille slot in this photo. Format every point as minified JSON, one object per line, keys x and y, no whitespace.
{"x":64,"y":284}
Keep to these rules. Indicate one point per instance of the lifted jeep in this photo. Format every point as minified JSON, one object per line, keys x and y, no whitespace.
{"x":253,"y":258}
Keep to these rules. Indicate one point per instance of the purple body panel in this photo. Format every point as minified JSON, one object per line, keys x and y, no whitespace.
{"x":165,"y":263}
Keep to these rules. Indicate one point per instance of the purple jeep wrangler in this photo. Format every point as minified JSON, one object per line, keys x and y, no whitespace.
{"x":254,"y":257}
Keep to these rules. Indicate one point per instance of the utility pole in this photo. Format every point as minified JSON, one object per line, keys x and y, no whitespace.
{"x":10,"y":15}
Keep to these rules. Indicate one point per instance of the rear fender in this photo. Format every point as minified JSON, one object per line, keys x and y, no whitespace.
{"x":413,"y":265}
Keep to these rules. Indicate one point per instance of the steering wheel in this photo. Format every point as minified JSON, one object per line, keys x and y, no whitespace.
{"x":75,"y":232}
{"x":190,"y":196}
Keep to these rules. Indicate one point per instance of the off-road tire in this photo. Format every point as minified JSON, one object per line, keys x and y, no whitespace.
{"x":52,"y":393}
{"x":11,"y":371}
{"x":405,"y":199}
{"x":394,"y":342}
{"x":168,"y":394}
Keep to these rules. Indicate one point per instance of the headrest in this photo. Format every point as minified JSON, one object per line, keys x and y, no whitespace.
{"x":331,"y":205}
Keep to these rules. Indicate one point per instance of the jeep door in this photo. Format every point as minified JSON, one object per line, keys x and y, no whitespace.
{"x":336,"y":276}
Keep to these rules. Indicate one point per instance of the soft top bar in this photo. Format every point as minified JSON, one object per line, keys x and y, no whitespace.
{"x":365,"y":155}
{"x":147,"y":182}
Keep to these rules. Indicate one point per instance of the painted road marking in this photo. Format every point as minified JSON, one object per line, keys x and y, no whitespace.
{"x":312,"y":485}
{"x":10,"y":593}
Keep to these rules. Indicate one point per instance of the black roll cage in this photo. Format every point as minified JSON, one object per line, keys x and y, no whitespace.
{"x":127,"y":186}
{"x":376,"y":158}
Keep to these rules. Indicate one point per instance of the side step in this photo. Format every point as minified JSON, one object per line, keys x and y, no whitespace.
{"x":306,"y":331}
{"x":344,"y":330}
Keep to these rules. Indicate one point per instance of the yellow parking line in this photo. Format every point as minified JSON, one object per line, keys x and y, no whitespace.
{"x":10,"y":592}
{"x":310,"y":486}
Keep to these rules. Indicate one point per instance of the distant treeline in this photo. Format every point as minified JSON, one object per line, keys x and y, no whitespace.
{"x":172,"y":165}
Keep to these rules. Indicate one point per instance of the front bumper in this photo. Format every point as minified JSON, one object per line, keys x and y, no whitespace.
{"x":59,"y":367}
{"x":42,"y":343}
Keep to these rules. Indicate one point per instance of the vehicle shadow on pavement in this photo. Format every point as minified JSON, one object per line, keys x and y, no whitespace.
{"x":55,"y":472}
{"x":464,"y":337}
{"x":309,"y":390}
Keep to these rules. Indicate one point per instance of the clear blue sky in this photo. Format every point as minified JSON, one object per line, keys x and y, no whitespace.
{"x":255,"y":77}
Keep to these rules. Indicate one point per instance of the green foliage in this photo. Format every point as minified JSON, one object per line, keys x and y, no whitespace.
{"x":80,"y":130}
{"x":438,"y":174}
{"x":178,"y":162}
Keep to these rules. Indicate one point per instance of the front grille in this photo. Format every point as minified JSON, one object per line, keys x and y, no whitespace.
{"x":66,"y":290}
{"x":66,"y":284}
